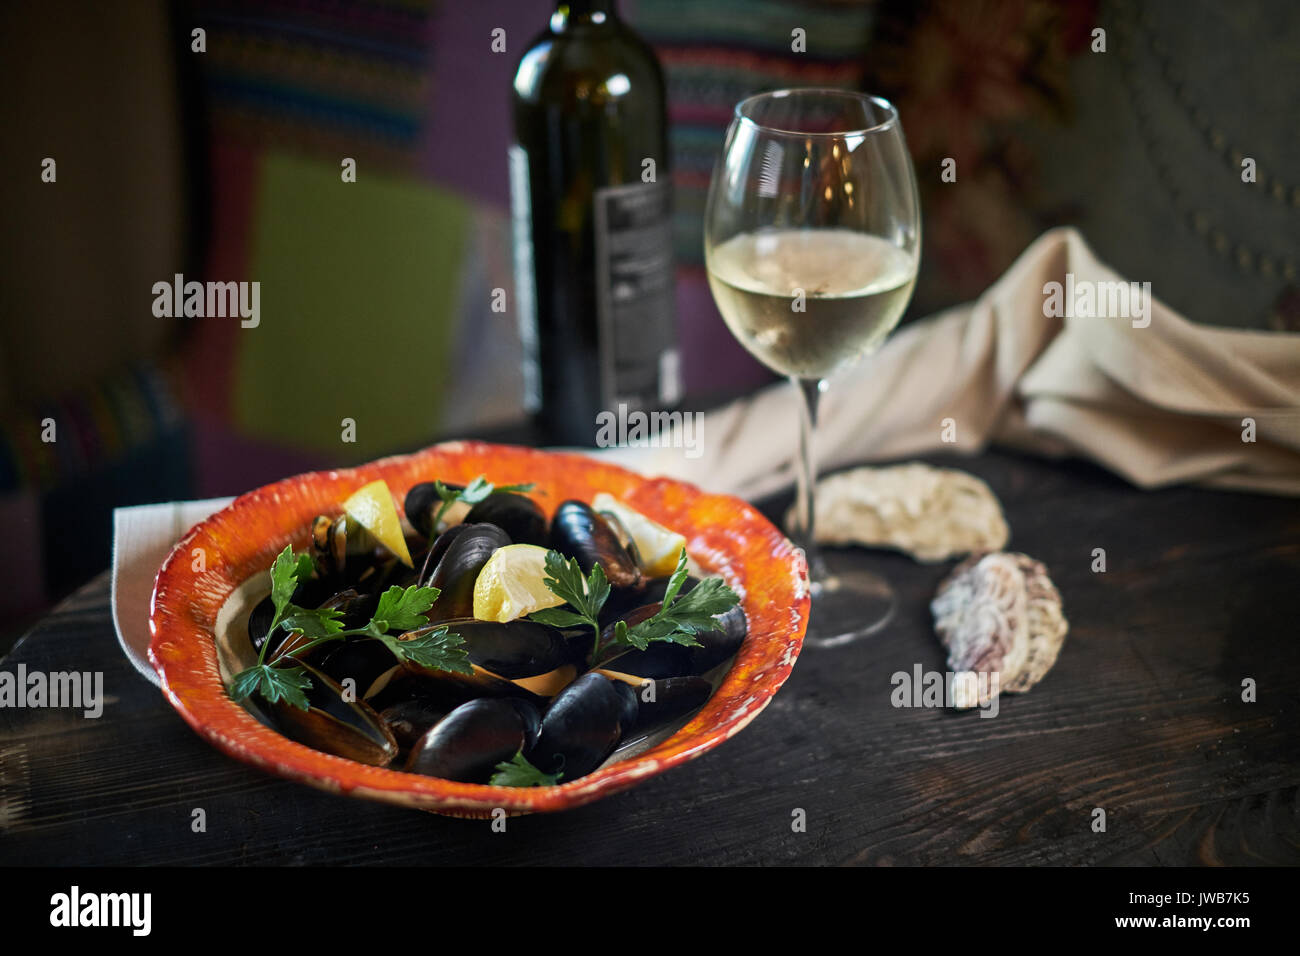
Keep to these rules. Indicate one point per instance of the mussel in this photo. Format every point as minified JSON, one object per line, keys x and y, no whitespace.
{"x":512,"y":658}
{"x":579,"y":532}
{"x":308,"y":593}
{"x":661,"y":659}
{"x":517,"y":515}
{"x":722,"y":642}
{"x":583,"y":725}
{"x":623,"y":600}
{"x":411,"y":718}
{"x":335,"y":539}
{"x":469,"y":742}
{"x":367,"y":663}
{"x":458,"y":569}
{"x":422,"y":504}
{"x":661,"y":701}
{"x":335,"y":723}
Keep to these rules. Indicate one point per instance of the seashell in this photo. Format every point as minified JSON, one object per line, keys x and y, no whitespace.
{"x":930,"y":513}
{"x":998,"y":614}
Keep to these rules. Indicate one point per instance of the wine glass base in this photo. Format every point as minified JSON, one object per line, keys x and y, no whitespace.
{"x":848,"y":605}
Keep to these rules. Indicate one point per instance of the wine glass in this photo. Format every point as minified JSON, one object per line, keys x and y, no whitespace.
{"x":812,"y":242}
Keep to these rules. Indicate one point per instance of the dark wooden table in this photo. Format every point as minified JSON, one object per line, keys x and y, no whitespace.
{"x":1142,"y":716}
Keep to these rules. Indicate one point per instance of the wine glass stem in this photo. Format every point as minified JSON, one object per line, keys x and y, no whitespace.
{"x":805,"y":510}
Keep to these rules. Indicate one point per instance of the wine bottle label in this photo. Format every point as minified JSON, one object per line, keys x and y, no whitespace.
{"x":634,"y":295}
{"x":521,"y":217}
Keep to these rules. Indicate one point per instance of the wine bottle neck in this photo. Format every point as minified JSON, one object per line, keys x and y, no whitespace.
{"x":583,"y":11}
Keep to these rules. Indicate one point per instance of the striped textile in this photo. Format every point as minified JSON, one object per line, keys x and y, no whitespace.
{"x":101,"y":425}
{"x":717,"y":53}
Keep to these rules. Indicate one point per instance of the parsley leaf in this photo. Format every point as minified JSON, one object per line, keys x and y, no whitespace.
{"x":518,"y":772}
{"x":586,"y":595}
{"x":313,"y":623}
{"x":404,"y":609}
{"x":438,"y":649}
{"x":284,"y":578}
{"x":274,"y":684}
{"x":678,"y":620}
{"x":471,"y":494}
{"x":400,"y":609}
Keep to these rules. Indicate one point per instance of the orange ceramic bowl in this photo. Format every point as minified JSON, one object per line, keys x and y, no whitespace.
{"x":237,"y":545}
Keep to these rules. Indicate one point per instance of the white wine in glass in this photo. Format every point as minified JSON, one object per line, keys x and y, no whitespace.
{"x":812,"y":243}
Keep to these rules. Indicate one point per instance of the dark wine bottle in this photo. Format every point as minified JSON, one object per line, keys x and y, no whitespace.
{"x":591,"y":204}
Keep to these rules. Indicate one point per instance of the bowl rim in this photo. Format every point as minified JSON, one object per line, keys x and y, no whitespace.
{"x":185,"y":603}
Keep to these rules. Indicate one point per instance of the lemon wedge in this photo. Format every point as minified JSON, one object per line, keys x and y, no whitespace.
{"x":659,"y":548}
{"x":372,"y":507}
{"x":512,"y":584}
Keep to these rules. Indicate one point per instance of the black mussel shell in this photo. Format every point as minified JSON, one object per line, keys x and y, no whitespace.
{"x":367,"y":662}
{"x":412,"y":718}
{"x":422,"y":503}
{"x":579,"y":532}
{"x":516,"y":658}
{"x":309,"y":593}
{"x":583,"y":725}
{"x":357,"y":608}
{"x":458,"y":569}
{"x":623,"y":600}
{"x":335,"y":724}
{"x":721,"y":643}
{"x":469,"y":742}
{"x":517,"y":515}
{"x":661,"y":659}
{"x":344,"y":550}
{"x":661,"y":701}
{"x":430,"y":559}
{"x":513,"y":649}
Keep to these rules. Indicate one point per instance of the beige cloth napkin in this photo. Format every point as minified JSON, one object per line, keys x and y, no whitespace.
{"x":1160,"y":404}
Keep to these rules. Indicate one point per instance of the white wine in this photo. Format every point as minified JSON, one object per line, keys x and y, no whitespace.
{"x":854,"y":288}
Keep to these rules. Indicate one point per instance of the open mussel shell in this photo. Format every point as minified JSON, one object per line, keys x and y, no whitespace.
{"x":411,"y":718}
{"x":579,"y":532}
{"x":342,"y":547}
{"x":422,"y":504}
{"x":309,"y":593}
{"x":335,"y":723}
{"x":366,"y":663}
{"x":512,"y":658}
{"x":517,"y":515}
{"x":469,"y":742}
{"x":515,"y":650}
{"x":583,"y":725}
{"x":458,"y":569}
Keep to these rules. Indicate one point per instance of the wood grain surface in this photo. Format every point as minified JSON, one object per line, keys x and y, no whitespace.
{"x":1142,"y":716}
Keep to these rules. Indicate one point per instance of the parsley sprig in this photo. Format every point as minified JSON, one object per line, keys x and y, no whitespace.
{"x":518,"y":772}
{"x":401,"y":610}
{"x":476,"y":491}
{"x":677,"y":621}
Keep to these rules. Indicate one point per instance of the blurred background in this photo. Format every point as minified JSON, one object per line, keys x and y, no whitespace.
{"x":224,"y":165}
